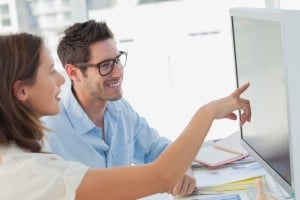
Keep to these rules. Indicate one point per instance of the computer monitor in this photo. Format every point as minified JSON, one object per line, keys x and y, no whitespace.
{"x":267,"y":54}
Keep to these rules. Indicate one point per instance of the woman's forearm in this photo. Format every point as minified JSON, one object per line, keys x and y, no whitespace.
{"x":137,"y":181}
{"x":183,"y":150}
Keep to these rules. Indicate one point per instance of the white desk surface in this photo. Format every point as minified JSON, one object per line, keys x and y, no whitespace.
{"x":165,"y":196}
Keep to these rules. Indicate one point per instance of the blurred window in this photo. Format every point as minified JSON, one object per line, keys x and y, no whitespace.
{"x":4,"y":9}
{"x":5,"y":22}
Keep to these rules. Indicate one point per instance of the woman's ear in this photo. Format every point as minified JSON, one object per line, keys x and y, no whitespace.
{"x":20,"y":91}
{"x":73,"y":72}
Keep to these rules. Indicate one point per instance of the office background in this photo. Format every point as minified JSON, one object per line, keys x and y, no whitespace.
{"x":180,"y":51}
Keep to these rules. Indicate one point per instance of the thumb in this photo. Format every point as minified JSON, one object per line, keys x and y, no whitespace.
{"x":231,"y":116}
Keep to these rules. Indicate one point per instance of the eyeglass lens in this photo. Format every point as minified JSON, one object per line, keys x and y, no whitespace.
{"x":107,"y":66}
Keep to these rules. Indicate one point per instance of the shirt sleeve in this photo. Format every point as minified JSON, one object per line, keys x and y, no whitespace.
{"x":148,"y":145}
{"x":71,"y":178}
{"x":42,"y":176}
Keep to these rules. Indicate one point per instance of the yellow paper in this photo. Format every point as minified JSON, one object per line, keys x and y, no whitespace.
{"x":233,"y":186}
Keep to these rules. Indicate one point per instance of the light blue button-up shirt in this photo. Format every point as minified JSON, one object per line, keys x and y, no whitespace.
{"x":128,"y":137}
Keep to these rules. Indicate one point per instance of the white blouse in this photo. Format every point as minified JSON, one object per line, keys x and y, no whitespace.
{"x":37,"y":176}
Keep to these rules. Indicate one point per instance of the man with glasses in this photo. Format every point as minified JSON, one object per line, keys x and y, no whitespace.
{"x":96,"y":126}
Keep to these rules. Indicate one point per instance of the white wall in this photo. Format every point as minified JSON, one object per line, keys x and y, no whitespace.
{"x":170,"y":74}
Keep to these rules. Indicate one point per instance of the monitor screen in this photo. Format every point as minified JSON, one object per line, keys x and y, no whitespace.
{"x":266,"y":45}
{"x":258,"y":58}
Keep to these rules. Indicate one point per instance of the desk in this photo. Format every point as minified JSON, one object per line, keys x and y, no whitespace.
{"x":210,"y":180}
{"x":242,"y":193}
{"x":166,"y":196}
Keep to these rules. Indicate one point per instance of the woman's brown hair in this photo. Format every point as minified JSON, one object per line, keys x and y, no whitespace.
{"x":19,"y":60}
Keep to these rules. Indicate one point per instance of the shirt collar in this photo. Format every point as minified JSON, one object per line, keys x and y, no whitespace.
{"x":78,"y":118}
{"x":112,"y":108}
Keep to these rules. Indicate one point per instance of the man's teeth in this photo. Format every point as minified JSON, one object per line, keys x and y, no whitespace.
{"x":114,"y":84}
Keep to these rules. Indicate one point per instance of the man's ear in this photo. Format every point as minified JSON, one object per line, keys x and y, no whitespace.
{"x":20,"y":90}
{"x":73,"y":72}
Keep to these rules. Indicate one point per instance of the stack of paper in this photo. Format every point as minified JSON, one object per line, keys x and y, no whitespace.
{"x":233,"y":186}
{"x":232,"y":144}
{"x":224,"y":151}
{"x":215,"y":177}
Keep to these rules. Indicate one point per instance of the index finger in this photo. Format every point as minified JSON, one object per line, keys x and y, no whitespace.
{"x":241,"y":89}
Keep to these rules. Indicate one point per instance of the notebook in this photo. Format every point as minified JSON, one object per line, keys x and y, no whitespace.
{"x":222,"y":152}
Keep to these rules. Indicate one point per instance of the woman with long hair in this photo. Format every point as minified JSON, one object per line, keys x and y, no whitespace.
{"x":30,"y":88}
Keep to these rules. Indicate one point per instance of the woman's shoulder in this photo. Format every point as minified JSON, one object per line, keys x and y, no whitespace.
{"x":29,"y":171}
{"x":13,"y":157}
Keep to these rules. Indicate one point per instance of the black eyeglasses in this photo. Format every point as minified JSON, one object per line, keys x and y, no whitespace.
{"x":105,"y":67}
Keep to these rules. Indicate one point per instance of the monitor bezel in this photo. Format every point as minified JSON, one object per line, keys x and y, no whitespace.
{"x":290,"y":61}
